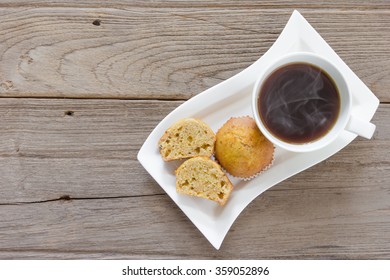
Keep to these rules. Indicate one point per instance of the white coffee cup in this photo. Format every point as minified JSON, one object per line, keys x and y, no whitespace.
{"x":345,"y":120}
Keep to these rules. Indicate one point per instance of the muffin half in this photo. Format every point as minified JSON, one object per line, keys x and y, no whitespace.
{"x":203,"y":177}
{"x":187,"y":138}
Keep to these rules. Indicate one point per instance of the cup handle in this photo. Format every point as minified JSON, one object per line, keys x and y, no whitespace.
{"x":360,"y":127}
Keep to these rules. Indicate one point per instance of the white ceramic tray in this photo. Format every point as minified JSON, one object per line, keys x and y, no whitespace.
{"x":233,"y":98}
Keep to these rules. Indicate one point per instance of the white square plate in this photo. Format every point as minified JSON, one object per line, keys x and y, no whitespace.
{"x":232,"y":98}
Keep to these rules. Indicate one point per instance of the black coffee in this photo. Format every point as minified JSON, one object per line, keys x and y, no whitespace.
{"x":299,"y":103}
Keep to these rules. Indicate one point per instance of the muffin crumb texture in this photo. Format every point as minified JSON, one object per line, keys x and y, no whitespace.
{"x":203,"y":177}
{"x":187,"y":138}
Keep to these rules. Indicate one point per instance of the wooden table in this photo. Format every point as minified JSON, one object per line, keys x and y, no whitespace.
{"x":83,"y":83}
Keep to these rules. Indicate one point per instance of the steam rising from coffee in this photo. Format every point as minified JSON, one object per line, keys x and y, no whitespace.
{"x":299,"y":103}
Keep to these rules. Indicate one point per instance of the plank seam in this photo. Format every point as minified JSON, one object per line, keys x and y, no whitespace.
{"x":112,"y":98}
{"x":93,"y":98}
{"x":203,"y":6}
{"x":69,"y":198}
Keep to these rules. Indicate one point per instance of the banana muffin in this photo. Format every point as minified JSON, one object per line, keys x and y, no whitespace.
{"x":241,"y":149}
{"x":203,"y":177}
{"x":187,"y":138}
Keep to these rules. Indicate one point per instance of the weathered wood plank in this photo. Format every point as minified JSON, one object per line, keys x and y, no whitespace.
{"x":313,"y":223}
{"x":46,"y":154}
{"x":164,"y":52}
{"x":354,"y":4}
{"x":51,"y":148}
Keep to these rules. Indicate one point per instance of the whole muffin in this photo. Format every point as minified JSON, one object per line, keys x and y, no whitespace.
{"x":241,"y":149}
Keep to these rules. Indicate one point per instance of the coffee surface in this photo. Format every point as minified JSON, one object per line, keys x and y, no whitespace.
{"x":299,"y":103}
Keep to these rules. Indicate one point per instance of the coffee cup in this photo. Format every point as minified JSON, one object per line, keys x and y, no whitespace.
{"x":301,"y":102}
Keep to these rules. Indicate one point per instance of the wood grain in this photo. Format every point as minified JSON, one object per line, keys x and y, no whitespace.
{"x":71,"y":187}
{"x":175,"y":51}
{"x":351,"y":4}
{"x":83,"y":83}
{"x":347,"y":223}
{"x":46,"y":154}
